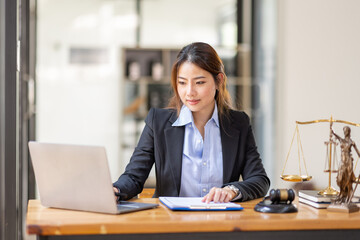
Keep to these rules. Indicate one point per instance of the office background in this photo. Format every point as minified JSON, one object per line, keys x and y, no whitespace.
{"x":304,"y":65}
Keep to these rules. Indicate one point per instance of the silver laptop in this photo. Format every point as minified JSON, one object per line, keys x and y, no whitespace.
{"x":78,"y":178}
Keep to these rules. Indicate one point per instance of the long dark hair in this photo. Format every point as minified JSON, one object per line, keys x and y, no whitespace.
{"x":205,"y":57}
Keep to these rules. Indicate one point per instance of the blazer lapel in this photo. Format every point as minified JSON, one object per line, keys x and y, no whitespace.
{"x":229,"y":142}
{"x":174,"y":137}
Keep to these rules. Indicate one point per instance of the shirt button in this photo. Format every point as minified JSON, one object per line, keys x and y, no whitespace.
{"x":204,"y":190}
{"x":204,"y":163}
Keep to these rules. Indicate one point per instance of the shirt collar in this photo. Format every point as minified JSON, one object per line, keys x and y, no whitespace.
{"x":185,"y":117}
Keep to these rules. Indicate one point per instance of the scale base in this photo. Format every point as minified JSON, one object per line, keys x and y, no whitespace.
{"x":266,"y":206}
{"x":343,"y":207}
{"x":329,"y":191}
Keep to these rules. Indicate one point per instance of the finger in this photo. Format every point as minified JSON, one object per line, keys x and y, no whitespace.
{"x":210,"y":195}
{"x":116,"y":191}
{"x":230,"y":192}
{"x":228,"y":197}
{"x":217,"y":195}
{"x":223,"y":196}
{"x":204,"y":198}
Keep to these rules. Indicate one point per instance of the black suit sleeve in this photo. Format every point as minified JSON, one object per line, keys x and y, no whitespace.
{"x":255,"y":182}
{"x":131,"y":182}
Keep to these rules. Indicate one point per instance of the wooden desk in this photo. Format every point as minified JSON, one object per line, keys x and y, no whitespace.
{"x":162,"y":223}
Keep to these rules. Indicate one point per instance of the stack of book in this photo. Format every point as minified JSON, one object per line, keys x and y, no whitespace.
{"x":316,"y":200}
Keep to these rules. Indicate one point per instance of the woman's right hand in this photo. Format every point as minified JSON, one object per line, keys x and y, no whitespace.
{"x":222,"y":195}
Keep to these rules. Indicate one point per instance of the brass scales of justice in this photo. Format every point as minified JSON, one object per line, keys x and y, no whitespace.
{"x":331,"y":156}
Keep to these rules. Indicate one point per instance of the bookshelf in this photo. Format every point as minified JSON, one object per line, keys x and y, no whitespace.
{"x":146,"y":84}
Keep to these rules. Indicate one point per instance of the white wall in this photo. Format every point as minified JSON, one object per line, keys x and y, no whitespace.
{"x":318,"y":76}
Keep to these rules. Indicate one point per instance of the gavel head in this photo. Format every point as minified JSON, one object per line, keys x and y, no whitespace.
{"x":282,"y":196}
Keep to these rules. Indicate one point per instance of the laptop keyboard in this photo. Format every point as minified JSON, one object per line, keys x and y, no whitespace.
{"x":124,"y":204}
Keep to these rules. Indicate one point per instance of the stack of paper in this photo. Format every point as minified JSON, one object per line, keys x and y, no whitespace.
{"x":195,"y":204}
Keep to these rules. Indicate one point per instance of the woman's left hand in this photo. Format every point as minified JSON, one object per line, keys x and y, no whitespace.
{"x":219,"y":195}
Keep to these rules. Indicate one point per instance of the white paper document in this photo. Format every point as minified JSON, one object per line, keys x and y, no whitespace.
{"x":195,"y":204}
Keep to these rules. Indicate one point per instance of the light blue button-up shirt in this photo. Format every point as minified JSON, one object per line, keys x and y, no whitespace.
{"x":202,"y":161}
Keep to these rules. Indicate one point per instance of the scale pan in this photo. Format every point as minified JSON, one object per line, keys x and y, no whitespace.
{"x":295,"y":178}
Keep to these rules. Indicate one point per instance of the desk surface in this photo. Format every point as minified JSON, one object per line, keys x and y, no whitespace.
{"x":49,"y":221}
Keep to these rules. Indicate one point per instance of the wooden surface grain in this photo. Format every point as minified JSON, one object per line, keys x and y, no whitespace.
{"x":49,"y":221}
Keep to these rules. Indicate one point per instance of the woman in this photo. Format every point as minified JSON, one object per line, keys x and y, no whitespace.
{"x":199,"y":145}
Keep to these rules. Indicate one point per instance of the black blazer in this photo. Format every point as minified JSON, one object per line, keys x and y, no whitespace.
{"x":162,"y":144}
